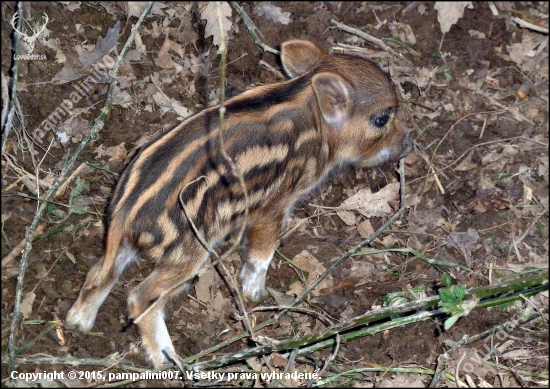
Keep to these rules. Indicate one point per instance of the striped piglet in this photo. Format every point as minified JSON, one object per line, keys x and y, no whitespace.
{"x":285,"y":138}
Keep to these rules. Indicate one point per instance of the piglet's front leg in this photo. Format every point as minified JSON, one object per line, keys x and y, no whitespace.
{"x":261,"y":241}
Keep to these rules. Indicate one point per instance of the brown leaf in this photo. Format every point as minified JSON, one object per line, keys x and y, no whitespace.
{"x":26,"y":304}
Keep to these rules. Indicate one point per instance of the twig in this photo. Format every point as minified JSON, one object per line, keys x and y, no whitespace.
{"x":431,"y":170}
{"x":531,"y":26}
{"x":252,"y":28}
{"x":528,"y":229}
{"x":17,"y":249}
{"x":6,"y":127}
{"x":320,"y":316}
{"x":440,"y":369}
{"x":5,"y":94}
{"x":332,"y":356}
{"x":97,"y":126}
{"x":475,"y":146}
{"x":367,"y":37}
{"x":493,"y":8}
{"x":71,"y":177}
{"x":483,"y":128}
{"x":410,"y":7}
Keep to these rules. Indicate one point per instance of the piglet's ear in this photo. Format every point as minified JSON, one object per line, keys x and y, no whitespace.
{"x":298,"y":56}
{"x":334,"y":97}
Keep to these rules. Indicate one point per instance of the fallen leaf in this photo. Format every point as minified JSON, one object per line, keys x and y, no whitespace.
{"x":117,"y":153}
{"x":464,"y":242}
{"x":26,"y":304}
{"x":210,"y":13}
{"x":164,"y":60}
{"x":347,"y":217}
{"x":103,"y":46}
{"x":135,"y":8}
{"x":365,"y":229}
{"x":76,"y":68}
{"x":272,"y":12}
{"x":373,"y":204}
{"x":467,"y":163}
{"x":203,"y":285}
{"x":448,"y":13}
{"x":307,"y":262}
{"x":121,"y":97}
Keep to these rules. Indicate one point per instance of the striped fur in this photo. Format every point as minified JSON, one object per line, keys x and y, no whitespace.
{"x":284,"y":138}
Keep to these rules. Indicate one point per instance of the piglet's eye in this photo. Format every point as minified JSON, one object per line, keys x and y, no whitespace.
{"x":381,"y":121}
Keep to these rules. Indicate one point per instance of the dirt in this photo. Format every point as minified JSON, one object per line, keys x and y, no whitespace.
{"x":487,"y":146}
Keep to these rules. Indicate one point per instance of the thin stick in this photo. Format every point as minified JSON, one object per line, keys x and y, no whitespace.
{"x":483,"y":128}
{"x":71,"y":177}
{"x":531,"y":26}
{"x":332,"y":356}
{"x":528,"y":229}
{"x":92,"y":134}
{"x":440,"y":369}
{"x":319,"y":315}
{"x":369,"y":38}
{"x":252,"y":28}
{"x":479,"y":145}
{"x":17,"y":249}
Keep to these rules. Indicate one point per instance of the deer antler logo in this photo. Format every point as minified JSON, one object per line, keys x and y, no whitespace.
{"x":29,"y":40}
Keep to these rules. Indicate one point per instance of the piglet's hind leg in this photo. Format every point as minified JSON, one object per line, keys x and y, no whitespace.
{"x":100,"y":280}
{"x":146,"y":303}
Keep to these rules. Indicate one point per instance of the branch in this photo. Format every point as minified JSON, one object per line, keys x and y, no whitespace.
{"x":252,"y":28}
{"x":369,"y":38}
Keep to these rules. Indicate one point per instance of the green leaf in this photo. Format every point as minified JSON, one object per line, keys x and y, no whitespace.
{"x":460,"y":292}
{"x":52,"y":210}
{"x":447,"y":280}
{"x":450,"y":321}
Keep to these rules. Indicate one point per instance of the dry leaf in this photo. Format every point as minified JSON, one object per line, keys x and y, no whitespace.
{"x":278,"y":360}
{"x":164,"y":60}
{"x":218,"y":305}
{"x":463,"y":242}
{"x":365,"y":229}
{"x":26,"y":304}
{"x":272,"y":12}
{"x":117,"y":153}
{"x":347,"y":217}
{"x":467,"y":163}
{"x":76,"y":68}
{"x":135,"y":8}
{"x":102,"y":47}
{"x":204,"y":283}
{"x":307,"y":262}
{"x":283,"y":299}
{"x":448,"y":13}
{"x":373,"y":204}
{"x":210,"y":13}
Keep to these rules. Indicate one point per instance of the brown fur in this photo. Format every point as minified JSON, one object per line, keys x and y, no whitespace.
{"x":284,"y":138}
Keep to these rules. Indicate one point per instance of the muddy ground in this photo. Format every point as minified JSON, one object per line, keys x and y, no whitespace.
{"x":475,"y":97}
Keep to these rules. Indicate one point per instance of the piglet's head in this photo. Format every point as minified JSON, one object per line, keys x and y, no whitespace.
{"x":357,"y":102}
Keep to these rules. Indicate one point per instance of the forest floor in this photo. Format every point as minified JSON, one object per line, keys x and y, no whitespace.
{"x":476,"y":98}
